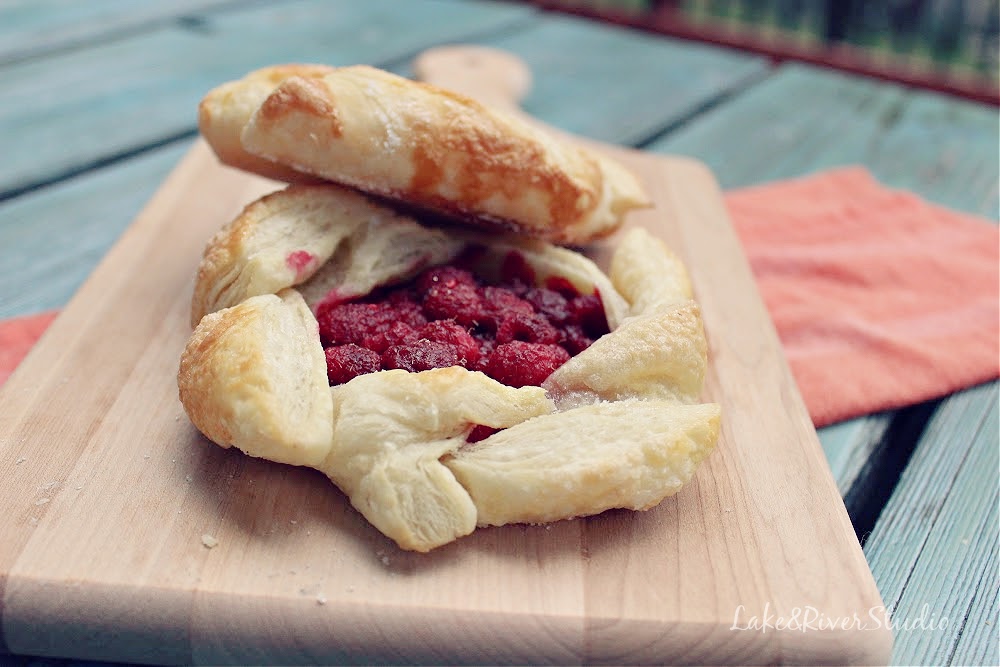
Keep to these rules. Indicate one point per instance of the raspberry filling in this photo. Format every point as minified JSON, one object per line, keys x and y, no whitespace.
{"x":513,"y":331}
{"x":300,"y":261}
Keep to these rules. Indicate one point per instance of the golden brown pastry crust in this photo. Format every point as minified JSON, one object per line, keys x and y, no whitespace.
{"x":285,"y":238}
{"x":225,"y":110}
{"x":391,"y":431}
{"x":658,"y":355}
{"x":628,"y":454}
{"x":432,"y":148}
{"x":253,"y":376}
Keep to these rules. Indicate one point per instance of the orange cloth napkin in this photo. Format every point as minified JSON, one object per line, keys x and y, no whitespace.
{"x":17,"y":335}
{"x":880,"y":299}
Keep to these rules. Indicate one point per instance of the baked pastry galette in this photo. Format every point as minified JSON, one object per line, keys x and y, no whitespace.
{"x":446,"y":377}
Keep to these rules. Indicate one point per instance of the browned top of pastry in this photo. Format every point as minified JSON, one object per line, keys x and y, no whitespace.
{"x":420,"y":144}
{"x":225,"y":110}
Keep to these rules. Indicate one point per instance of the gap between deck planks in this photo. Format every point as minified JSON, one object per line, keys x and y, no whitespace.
{"x":934,"y":549}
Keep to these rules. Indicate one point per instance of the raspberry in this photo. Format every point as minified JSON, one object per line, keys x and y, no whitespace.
{"x":520,"y":364}
{"x":588,"y":311}
{"x":486,"y":345}
{"x":575,"y":340}
{"x":501,"y":302}
{"x":529,"y":328}
{"x":399,"y":333}
{"x":549,"y":303}
{"x":346,"y":362}
{"x":422,"y":355}
{"x":480,"y":432}
{"x":562,"y":285}
{"x":446,"y":275}
{"x":452,"y":333}
{"x":515,"y":269}
{"x":351,"y":322}
{"x":454,"y":301}
{"x":406,"y":308}
{"x":516,"y":332}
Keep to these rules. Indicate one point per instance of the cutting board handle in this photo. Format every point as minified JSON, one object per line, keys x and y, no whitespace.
{"x":494,"y":77}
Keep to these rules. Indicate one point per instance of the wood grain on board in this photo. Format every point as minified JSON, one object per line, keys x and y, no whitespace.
{"x":112,"y":491}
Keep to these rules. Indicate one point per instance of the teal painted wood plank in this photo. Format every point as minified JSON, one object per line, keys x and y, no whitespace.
{"x":979,"y":643}
{"x":63,"y":112}
{"x":29,"y":28}
{"x":51,"y":240}
{"x":805,"y":119}
{"x":618,"y":85}
{"x":798,"y":121}
{"x":944,"y":148}
{"x":934,"y":549}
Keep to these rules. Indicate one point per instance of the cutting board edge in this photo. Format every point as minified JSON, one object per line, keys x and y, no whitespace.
{"x":509,"y":637}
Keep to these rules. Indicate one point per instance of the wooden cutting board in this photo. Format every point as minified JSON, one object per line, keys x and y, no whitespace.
{"x":110,"y":495}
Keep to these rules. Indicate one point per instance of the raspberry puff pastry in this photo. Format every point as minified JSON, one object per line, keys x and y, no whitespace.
{"x":414,"y":142}
{"x":427,"y":454}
